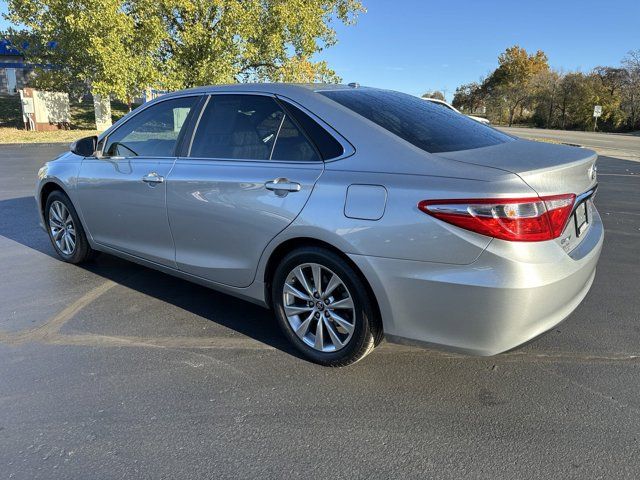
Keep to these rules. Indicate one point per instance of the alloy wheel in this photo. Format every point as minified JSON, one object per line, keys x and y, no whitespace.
{"x":319,"y":307}
{"x":61,"y":227}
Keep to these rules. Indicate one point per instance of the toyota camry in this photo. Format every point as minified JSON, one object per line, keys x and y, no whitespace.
{"x":354,"y":213}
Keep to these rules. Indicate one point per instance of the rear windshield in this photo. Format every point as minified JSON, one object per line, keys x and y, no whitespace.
{"x":422,"y":123}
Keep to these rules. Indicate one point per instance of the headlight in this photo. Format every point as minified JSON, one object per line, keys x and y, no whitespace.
{"x":43,"y":171}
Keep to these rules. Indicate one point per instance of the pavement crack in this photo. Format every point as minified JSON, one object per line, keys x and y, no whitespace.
{"x":603,"y":396}
{"x":573,"y":357}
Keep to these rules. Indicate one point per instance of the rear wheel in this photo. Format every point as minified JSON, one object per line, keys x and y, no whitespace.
{"x":65,"y":230}
{"x":323,"y":307}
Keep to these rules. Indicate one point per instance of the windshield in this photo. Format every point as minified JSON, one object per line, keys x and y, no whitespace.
{"x":424,"y":124}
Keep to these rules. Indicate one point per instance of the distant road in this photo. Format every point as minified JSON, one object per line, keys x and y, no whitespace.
{"x":620,"y":145}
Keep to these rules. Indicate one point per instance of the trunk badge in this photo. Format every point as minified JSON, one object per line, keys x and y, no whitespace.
{"x":591,"y":173}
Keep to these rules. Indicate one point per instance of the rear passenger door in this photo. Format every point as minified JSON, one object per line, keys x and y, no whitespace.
{"x":247,"y":173}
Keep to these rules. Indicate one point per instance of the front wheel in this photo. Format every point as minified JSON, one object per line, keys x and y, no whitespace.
{"x":324,"y":308}
{"x":65,"y":230}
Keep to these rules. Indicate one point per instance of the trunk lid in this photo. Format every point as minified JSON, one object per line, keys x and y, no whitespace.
{"x":549,"y":169}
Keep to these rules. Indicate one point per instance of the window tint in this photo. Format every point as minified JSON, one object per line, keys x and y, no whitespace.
{"x":291,"y":144}
{"x":251,"y":127}
{"x":328,"y":146}
{"x":425,"y":125}
{"x":152,"y":132}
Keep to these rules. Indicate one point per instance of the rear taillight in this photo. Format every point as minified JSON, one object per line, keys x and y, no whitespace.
{"x":516,"y":219}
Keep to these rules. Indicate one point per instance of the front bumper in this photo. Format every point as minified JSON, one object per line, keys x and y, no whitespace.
{"x":40,"y":217}
{"x":512,"y":293}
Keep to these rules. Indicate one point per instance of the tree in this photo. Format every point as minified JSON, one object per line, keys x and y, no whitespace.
{"x":546,"y":86}
{"x":437,"y":94}
{"x":569,"y":95}
{"x":577,"y":95}
{"x":223,"y":41}
{"x":612,"y":78}
{"x":510,"y":83}
{"x":469,"y":97}
{"x":608,"y":85}
{"x":631,"y":88}
{"x":112,"y":57}
{"x":122,"y":47}
{"x":524,"y":86}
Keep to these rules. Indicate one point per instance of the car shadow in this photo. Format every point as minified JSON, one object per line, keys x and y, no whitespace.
{"x":19,"y":222}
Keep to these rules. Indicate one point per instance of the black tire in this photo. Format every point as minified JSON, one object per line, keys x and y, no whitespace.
{"x":367,"y":331}
{"x":82,"y":251}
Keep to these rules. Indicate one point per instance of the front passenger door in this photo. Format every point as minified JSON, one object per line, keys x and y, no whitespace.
{"x":123,"y":192}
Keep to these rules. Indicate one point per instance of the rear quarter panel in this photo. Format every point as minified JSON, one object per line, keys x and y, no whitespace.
{"x":403,"y":231}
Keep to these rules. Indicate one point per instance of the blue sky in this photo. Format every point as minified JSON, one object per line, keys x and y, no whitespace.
{"x":415,"y":46}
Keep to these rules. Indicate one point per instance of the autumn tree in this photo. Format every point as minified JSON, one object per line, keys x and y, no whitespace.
{"x":524,"y":86}
{"x":511,"y":83}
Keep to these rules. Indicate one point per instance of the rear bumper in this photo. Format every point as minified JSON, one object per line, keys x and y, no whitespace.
{"x":512,"y":293}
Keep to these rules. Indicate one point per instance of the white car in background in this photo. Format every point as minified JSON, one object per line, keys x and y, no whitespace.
{"x":451,"y":107}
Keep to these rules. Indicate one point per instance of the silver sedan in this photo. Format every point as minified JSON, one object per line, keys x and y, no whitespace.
{"x":354,"y":213}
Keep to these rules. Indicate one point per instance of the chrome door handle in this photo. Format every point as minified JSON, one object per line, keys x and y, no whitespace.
{"x":282,"y":186}
{"x":152,"y":177}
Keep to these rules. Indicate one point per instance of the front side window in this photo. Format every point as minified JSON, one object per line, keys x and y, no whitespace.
{"x":426,"y":125}
{"x":153,"y":132}
{"x":249,"y":127}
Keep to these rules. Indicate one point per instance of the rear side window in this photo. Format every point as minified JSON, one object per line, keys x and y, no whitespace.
{"x":249,"y":127}
{"x":153,"y":132}
{"x":420,"y":122}
{"x":291,"y":144}
{"x":328,"y":146}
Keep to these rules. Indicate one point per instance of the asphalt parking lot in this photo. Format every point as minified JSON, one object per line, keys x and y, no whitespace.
{"x":117,"y":371}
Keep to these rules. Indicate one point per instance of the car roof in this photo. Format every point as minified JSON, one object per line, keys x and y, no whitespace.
{"x":303,"y":93}
{"x":277,"y":88}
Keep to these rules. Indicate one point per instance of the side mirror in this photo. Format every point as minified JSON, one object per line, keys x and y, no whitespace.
{"x":84,"y":147}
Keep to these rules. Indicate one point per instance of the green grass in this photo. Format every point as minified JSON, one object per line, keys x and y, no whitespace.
{"x":14,"y":135}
